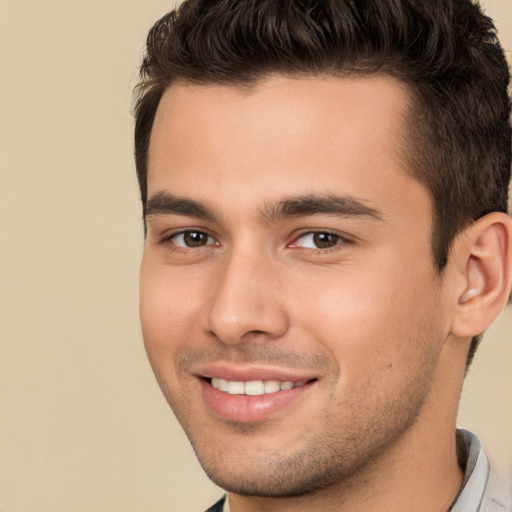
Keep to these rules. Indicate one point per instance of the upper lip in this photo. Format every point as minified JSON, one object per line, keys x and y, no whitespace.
{"x":245,"y":373}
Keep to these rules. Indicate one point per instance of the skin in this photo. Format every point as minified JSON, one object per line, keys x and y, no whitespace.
{"x":365,"y":316}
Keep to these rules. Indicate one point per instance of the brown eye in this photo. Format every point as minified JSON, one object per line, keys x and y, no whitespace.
{"x":192,"y":239}
{"x":326,"y":240}
{"x":319,"y":240}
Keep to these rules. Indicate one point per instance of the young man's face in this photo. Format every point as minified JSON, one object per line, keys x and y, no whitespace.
{"x":288,"y":248}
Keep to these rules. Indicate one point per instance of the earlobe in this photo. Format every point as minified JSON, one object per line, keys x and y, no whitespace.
{"x":484,"y":253}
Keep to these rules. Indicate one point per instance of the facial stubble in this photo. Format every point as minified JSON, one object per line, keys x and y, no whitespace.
{"x":335,"y":455}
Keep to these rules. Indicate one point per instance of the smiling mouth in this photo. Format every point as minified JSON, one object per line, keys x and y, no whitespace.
{"x":251,"y":399}
{"x":255,"y":387}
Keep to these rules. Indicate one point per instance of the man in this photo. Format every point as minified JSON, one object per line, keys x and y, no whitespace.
{"x":324,"y":186}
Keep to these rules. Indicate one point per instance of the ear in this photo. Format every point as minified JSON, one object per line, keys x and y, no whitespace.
{"x":483,"y":256}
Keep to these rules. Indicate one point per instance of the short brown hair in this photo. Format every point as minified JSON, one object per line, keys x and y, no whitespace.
{"x":446,"y":51}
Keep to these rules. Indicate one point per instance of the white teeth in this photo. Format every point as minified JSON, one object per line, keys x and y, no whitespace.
{"x":254,"y":387}
{"x":221,"y":384}
{"x":236,"y":388}
{"x":271,"y":386}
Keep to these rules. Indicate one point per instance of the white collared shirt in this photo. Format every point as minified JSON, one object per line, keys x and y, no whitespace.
{"x":481,"y":490}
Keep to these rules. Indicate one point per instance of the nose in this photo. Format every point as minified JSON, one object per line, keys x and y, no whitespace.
{"x":247,"y":302}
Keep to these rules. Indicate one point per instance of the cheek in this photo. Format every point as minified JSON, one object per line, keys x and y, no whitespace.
{"x":165,"y":313}
{"x":169,"y":296}
{"x":374,"y":322}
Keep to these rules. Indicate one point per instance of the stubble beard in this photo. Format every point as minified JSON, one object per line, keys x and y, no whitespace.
{"x":339,"y":451}
{"x":336,"y":457}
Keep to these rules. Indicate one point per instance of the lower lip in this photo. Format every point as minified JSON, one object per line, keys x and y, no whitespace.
{"x":245,"y":408}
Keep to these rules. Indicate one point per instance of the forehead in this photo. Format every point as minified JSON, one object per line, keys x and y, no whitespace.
{"x":288,"y":106}
{"x":282,"y":136}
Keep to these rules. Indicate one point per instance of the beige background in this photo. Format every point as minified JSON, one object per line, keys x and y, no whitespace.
{"x":83,"y":426}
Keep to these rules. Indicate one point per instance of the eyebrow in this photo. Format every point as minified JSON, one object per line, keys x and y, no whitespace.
{"x":302,"y":206}
{"x":163,"y":203}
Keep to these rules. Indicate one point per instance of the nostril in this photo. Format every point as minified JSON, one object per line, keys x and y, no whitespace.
{"x":254,"y":333}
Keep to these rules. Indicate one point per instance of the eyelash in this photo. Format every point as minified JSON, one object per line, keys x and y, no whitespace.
{"x":341,"y":241}
{"x":169,"y":239}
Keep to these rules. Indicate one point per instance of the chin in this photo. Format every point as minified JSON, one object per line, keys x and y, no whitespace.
{"x":281,"y":474}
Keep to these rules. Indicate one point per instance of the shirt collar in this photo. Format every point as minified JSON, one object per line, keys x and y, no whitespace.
{"x":471,"y":457}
